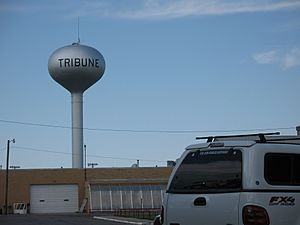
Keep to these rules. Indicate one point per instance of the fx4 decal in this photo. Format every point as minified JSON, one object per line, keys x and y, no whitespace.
{"x":282,"y":200}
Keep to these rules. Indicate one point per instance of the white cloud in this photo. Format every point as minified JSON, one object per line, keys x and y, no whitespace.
{"x":154,"y":9}
{"x":22,"y":8}
{"x":265,"y":57}
{"x":292,"y":58}
{"x":286,"y":60}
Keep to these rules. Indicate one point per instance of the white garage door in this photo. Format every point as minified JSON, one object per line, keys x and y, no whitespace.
{"x":53,"y":198}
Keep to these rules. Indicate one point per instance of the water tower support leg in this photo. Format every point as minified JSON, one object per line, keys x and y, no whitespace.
{"x":77,"y":130}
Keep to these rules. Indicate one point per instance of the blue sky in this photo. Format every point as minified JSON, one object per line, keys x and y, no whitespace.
{"x":196,"y":67}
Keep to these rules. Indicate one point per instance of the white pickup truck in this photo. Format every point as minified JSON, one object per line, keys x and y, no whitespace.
{"x":234,"y":180}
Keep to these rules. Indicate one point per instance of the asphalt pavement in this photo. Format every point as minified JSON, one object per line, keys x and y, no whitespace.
{"x":72,"y":219}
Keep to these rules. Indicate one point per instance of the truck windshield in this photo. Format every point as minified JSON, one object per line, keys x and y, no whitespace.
{"x":209,"y":172}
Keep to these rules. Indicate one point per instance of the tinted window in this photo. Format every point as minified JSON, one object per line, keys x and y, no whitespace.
{"x":282,"y":169}
{"x":209,"y":171}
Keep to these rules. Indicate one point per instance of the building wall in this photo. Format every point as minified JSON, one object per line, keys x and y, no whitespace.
{"x":20,"y":180}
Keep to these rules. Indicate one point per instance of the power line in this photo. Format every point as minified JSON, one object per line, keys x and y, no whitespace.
{"x":41,"y":150}
{"x":93,"y":156}
{"x":147,"y":131}
{"x":34,"y":124}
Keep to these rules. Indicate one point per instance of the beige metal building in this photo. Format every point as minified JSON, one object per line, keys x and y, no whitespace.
{"x":99,"y":189}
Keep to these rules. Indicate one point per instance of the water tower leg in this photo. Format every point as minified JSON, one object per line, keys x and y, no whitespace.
{"x":77,"y":130}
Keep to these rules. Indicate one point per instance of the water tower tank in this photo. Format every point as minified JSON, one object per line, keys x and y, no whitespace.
{"x":76,"y":67}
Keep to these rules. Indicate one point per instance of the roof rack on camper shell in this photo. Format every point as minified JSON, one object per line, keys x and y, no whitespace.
{"x":274,"y":137}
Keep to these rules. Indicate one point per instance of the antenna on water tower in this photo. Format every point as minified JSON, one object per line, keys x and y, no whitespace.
{"x":78,"y":37}
{"x":76,"y":67}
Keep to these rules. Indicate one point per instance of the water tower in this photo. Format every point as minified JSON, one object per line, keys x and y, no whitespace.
{"x":76,"y":67}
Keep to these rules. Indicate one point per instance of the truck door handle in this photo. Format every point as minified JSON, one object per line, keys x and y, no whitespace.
{"x":201,"y":201}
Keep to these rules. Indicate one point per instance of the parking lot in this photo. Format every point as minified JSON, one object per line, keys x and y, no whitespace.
{"x":62,"y":219}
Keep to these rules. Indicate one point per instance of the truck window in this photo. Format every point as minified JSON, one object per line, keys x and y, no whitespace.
{"x":209,"y":172}
{"x":282,"y":169}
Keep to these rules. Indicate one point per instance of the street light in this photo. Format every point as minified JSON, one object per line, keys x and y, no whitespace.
{"x":7,"y":165}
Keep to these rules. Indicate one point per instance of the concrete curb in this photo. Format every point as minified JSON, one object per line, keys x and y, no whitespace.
{"x":123,"y":220}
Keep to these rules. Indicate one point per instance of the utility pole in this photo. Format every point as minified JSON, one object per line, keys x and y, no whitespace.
{"x":7,"y":166}
{"x":84,"y":163}
{"x":15,"y":167}
{"x":92,"y":165}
